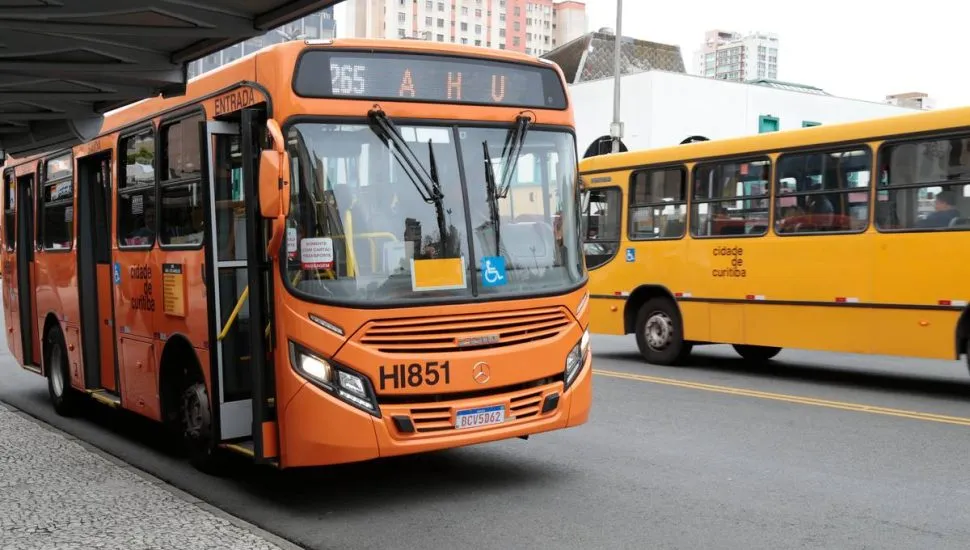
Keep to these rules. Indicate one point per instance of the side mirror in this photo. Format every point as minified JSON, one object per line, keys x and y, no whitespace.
{"x":274,"y":175}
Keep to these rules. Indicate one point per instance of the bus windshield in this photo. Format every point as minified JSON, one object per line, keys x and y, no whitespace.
{"x":371,"y":203}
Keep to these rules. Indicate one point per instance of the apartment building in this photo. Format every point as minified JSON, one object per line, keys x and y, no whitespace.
{"x":533,"y":27}
{"x":728,"y":55}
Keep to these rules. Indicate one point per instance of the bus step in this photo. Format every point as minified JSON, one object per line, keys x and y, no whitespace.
{"x":242,"y":447}
{"x":106,"y":398}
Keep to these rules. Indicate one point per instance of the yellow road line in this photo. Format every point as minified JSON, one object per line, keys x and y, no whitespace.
{"x":856,"y":407}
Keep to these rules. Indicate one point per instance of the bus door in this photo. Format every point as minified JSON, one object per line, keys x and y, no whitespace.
{"x":11,"y":304}
{"x":238,"y":309}
{"x":27,"y":317}
{"x":94,"y":272}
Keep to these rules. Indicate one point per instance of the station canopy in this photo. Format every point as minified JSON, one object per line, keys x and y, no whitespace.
{"x":64,"y":63}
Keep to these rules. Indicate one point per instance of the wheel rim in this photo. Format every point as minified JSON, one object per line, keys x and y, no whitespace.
{"x":57,"y":372}
{"x":658,"y":331}
{"x":195,"y":415}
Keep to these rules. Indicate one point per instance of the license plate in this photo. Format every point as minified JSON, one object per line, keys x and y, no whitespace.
{"x":485,"y":416}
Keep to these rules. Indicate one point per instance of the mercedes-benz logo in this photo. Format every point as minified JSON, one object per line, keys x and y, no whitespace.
{"x":481,"y":372}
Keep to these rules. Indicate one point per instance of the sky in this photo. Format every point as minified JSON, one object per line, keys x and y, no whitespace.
{"x":861,"y":49}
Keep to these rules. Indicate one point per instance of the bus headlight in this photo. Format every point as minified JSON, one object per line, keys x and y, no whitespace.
{"x":337,"y":380}
{"x":576,"y":358}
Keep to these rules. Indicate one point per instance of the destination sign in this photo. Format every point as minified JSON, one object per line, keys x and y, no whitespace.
{"x":429,"y":78}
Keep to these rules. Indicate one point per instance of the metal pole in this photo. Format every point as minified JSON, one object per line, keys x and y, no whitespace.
{"x":616,"y":129}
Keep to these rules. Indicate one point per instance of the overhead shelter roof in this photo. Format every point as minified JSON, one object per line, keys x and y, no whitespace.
{"x":64,"y":63}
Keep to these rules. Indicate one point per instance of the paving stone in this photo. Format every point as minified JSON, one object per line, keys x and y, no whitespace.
{"x":55,"y":494}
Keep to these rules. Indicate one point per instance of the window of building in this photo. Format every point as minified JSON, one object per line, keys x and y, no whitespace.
{"x":658,"y":203}
{"x":767,"y":123}
{"x":136,"y":191}
{"x":823,"y":192}
{"x":924,"y":185}
{"x":731,"y":198}
{"x":57,"y":210}
{"x":402,"y":17}
{"x":180,"y":183}
{"x":601,"y":225}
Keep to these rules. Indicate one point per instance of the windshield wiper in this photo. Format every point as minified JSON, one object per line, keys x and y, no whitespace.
{"x":427,"y":184}
{"x":492,"y":191}
{"x":511,"y":152}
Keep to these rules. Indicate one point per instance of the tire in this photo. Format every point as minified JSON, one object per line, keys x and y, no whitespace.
{"x":660,"y":333}
{"x":198,"y":439}
{"x":756,"y":354}
{"x":66,"y":399}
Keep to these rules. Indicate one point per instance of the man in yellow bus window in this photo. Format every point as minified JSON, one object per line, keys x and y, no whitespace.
{"x":946,"y":211}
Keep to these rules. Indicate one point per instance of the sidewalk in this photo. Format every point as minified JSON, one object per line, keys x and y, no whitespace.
{"x":57,"y":493}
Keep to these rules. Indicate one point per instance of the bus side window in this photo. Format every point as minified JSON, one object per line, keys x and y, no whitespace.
{"x":136,"y":191}
{"x":823,"y":192}
{"x":658,"y":203}
{"x":731,"y":198}
{"x":57,"y":204}
{"x":602,"y":225}
{"x":180,"y":183}
{"x":927,"y":185}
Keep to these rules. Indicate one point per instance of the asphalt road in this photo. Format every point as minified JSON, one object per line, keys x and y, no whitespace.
{"x":816,"y":451}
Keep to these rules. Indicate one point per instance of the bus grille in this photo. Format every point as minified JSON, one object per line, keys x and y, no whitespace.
{"x":463,"y":333}
{"x":438,"y":419}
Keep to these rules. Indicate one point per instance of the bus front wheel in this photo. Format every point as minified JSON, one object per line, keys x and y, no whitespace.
{"x":197,"y":431}
{"x":660,"y":333}
{"x":756,"y":354}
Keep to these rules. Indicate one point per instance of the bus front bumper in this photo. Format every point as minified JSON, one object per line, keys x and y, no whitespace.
{"x":320,"y":430}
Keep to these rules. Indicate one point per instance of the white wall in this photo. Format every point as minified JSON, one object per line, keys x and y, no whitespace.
{"x":662,"y":108}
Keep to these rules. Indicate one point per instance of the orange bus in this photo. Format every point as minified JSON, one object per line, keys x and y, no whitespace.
{"x":314,"y":256}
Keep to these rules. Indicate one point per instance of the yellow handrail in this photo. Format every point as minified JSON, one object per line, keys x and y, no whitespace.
{"x":235,"y":313}
{"x":349,"y":244}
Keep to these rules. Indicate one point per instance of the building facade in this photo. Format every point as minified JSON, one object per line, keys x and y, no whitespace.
{"x":533,"y":27}
{"x":319,"y":25}
{"x":661,"y":108}
{"x":727,"y":55}
{"x":913,"y":100}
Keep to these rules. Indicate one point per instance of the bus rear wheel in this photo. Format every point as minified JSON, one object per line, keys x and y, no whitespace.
{"x":660,"y":333}
{"x":756,"y":354}
{"x":65,"y":398}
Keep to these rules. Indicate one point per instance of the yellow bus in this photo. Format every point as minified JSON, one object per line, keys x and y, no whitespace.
{"x":845,"y":238}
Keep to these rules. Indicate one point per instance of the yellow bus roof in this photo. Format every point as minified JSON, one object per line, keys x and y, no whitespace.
{"x":848,"y":132}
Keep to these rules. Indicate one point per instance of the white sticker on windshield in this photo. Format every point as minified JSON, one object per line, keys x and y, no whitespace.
{"x":395,"y":256}
{"x":291,"y":243}
{"x":316,"y":253}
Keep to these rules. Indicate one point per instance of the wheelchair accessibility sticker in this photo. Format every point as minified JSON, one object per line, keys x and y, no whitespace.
{"x":631,"y":255}
{"x":493,"y":271}
{"x":116,"y":273}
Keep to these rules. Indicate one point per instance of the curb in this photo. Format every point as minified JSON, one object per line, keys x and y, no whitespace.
{"x":175,"y":491}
